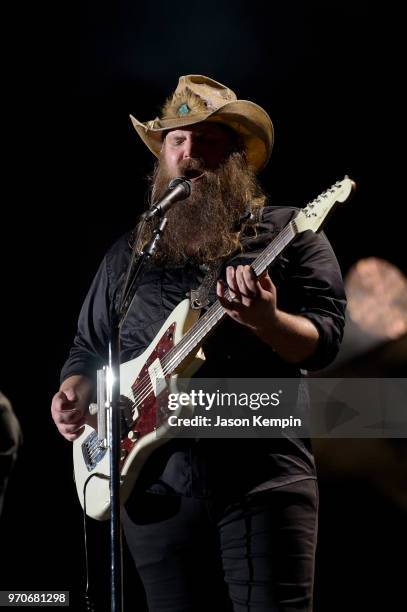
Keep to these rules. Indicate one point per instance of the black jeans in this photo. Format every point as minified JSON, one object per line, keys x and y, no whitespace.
{"x":198,"y":555}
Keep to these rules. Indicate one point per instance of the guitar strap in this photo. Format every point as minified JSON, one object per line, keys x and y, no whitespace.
{"x":199,"y":298}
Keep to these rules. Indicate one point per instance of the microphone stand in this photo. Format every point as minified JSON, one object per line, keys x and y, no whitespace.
{"x":114,"y":421}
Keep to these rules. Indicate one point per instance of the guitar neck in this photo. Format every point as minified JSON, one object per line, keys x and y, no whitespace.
{"x":198,"y":333}
{"x":274,"y":249}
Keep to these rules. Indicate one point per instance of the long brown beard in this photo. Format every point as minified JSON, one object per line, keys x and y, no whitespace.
{"x":206,"y":226}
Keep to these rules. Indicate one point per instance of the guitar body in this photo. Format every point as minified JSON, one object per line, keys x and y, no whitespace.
{"x":143,"y":377}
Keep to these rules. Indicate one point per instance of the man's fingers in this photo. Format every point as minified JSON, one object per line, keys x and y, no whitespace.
{"x":250,"y":281}
{"x":71,"y":428}
{"x":240,"y":281}
{"x":71,"y":432}
{"x":61,"y":402}
{"x":69,"y":416}
{"x":266,"y":282}
{"x":248,"y":290}
{"x":65,"y":411}
{"x":244,"y":289}
{"x":232,"y":284}
{"x":231,"y":307}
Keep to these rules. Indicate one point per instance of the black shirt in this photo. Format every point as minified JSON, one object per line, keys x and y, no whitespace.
{"x":308,"y":282}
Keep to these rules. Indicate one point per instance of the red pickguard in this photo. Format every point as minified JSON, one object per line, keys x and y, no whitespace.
{"x":153,"y":410}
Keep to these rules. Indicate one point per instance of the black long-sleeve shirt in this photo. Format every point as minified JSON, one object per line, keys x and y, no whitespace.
{"x":308,"y":282}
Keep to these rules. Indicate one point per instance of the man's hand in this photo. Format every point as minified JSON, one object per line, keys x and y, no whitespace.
{"x":253,"y":300}
{"x":70,"y":405}
{"x":254,"y":304}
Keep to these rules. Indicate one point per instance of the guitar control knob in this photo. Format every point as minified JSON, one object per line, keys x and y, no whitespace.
{"x":132,"y":435}
{"x":93,"y":408}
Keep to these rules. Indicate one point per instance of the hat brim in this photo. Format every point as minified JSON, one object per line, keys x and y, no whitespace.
{"x":246,"y":118}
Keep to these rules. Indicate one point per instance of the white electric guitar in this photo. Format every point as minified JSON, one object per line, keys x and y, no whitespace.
{"x":146,"y":381}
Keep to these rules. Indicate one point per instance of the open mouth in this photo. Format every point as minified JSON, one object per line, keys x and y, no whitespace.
{"x":193,"y":175}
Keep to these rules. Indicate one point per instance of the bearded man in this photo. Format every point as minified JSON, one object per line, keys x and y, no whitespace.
{"x":228,"y":524}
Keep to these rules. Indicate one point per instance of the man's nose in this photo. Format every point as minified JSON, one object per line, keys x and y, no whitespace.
{"x":190,"y":148}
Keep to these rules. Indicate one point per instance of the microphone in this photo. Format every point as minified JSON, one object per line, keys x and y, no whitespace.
{"x":178,"y":189}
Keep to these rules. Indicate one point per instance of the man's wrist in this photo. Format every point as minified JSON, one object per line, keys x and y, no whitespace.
{"x":269,"y":326}
{"x":272,"y":321}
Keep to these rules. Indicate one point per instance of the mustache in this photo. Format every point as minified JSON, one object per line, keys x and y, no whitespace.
{"x":192,"y":167}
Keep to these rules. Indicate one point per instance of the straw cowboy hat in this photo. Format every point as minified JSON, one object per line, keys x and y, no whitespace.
{"x":199,"y":98}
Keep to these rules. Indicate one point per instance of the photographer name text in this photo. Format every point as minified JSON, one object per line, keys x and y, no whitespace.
{"x":253,"y":421}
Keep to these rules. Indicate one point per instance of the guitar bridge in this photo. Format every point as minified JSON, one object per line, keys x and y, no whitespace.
{"x":93,"y":451}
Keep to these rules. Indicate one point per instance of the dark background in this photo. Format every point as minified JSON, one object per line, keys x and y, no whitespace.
{"x":75,"y":180}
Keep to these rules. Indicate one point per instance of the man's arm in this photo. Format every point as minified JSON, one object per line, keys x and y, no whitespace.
{"x":70,"y":405}
{"x":254,"y":304}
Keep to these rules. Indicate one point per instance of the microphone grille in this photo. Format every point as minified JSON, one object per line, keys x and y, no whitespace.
{"x":181,"y":180}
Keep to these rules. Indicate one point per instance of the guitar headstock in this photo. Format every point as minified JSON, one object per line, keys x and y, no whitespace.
{"x":314,"y":214}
